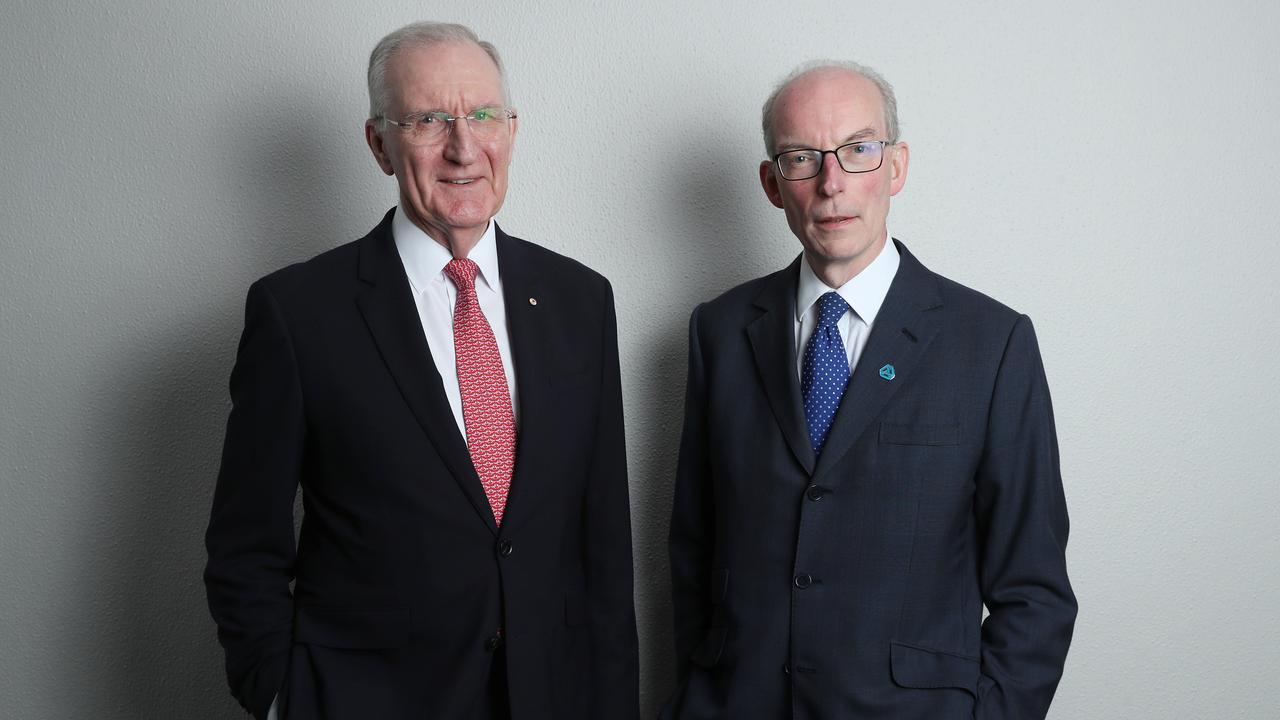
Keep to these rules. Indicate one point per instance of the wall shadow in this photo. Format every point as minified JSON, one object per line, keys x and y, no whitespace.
{"x":159,"y":657}
{"x":706,"y":232}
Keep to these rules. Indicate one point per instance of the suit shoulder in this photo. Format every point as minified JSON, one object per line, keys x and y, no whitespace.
{"x":739,"y":304}
{"x":966,"y":299}
{"x":746,"y":292}
{"x":562,"y":269}
{"x":960,"y":300}
{"x":980,"y":318}
{"x":321,"y":271}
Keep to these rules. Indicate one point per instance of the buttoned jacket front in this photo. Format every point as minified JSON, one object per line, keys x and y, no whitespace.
{"x":403,"y":582}
{"x":851,"y":585}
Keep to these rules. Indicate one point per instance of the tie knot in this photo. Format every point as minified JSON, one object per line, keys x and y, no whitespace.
{"x":462,"y":271}
{"x":830,"y":309}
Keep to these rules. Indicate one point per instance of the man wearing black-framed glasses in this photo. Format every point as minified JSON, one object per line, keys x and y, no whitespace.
{"x":868,"y":460}
{"x":448,"y":398}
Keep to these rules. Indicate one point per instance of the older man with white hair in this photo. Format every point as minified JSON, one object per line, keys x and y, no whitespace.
{"x":448,"y":398}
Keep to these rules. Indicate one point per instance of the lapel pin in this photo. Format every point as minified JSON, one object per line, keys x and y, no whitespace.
{"x":533,"y":301}
{"x":887,"y":372}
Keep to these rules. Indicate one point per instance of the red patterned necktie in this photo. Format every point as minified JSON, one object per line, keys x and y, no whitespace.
{"x":486,"y":401}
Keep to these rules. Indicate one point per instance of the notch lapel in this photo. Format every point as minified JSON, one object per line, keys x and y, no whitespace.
{"x":527,"y":326}
{"x":391,"y":314}
{"x":903,"y":330}
{"x":773,"y":342}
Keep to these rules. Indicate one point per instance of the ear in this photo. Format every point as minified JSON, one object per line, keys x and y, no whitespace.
{"x":898,"y":161}
{"x":769,"y":181}
{"x":378,"y":146}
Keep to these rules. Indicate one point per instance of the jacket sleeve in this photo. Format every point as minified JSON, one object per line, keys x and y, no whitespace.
{"x":692,"y":538}
{"x":1022,"y":524}
{"x":615,"y":690}
{"x":250,"y":539}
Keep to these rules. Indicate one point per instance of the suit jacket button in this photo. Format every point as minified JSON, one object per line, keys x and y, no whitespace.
{"x":803,"y":581}
{"x":815,"y":493}
{"x":505,"y":548}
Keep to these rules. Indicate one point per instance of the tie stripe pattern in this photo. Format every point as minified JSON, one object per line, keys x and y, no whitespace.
{"x":825,"y":372}
{"x":486,"y":399}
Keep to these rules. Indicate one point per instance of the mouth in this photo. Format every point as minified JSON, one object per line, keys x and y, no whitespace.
{"x":459,"y":181}
{"x":830,"y":222}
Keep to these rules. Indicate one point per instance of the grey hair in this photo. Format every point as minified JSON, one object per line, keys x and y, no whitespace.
{"x":420,"y":34}
{"x":886,"y":95}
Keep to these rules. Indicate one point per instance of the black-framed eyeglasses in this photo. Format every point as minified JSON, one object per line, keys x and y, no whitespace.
{"x":488,"y":122}
{"x":855,"y":157}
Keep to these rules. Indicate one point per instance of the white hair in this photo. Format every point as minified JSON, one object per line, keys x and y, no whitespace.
{"x":420,"y":34}
{"x":889,"y":102}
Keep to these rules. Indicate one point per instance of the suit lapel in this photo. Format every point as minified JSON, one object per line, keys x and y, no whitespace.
{"x":391,"y":314}
{"x":773,"y":342}
{"x":903,"y":330}
{"x":527,"y":326}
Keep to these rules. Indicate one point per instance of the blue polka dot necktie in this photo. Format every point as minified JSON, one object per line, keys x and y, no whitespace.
{"x":825,"y":372}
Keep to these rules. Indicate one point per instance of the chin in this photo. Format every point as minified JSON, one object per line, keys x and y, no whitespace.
{"x":842,"y":250}
{"x":469,"y":216}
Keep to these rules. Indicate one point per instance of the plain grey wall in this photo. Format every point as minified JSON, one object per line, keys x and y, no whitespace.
{"x":1109,"y":169}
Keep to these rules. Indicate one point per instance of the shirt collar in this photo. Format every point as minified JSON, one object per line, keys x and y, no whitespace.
{"x":424,"y":258}
{"x":865,"y":292}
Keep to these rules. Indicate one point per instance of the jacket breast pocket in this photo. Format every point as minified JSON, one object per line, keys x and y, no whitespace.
{"x":708,"y":652}
{"x":918,"y":667}
{"x":352,"y":628}
{"x":933,"y":434}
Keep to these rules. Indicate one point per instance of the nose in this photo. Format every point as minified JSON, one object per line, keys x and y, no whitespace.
{"x":831,"y":177}
{"x":460,"y":146}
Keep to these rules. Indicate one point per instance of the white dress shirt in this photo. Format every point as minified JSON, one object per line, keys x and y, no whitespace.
{"x":435,"y":295}
{"x":865,"y":293}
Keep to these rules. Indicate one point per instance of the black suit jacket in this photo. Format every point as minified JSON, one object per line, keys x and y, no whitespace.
{"x":852,"y":585}
{"x":402,"y":579}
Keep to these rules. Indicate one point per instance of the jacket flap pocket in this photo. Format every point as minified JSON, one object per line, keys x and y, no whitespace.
{"x":937,"y":434}
{"x":917,"y":667}
{"x":708,"y":652}
{"x":353,"y":628}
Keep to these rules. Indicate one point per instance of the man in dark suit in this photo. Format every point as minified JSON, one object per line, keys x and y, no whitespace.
{"x":448,"y":398}
{"x":837,"y":534}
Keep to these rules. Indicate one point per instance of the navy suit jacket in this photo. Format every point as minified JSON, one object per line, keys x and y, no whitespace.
{"x":852,"y":585}
{"x":402,"y":578}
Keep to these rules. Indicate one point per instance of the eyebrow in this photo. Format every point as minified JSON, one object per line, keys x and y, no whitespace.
{"x":473,"y":109}
{"x":862,"y":134}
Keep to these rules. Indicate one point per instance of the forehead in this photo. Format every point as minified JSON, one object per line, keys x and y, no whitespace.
{"x":445,"y":75}
{"x":827,"y":106}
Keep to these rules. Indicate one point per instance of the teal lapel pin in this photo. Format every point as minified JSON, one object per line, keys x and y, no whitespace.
{"x":887,"y":372}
